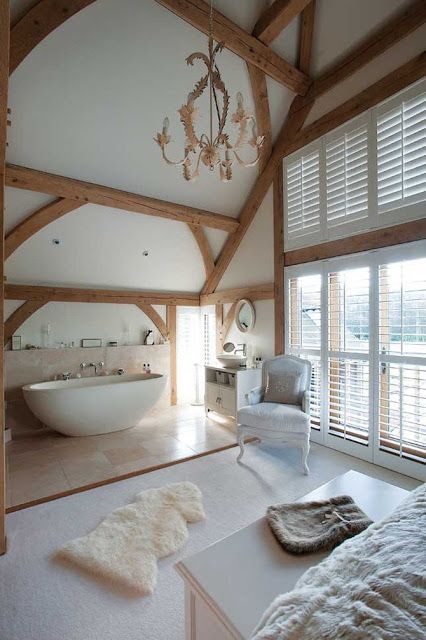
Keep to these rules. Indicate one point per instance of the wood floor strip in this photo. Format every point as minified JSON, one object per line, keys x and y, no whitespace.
{"x":126,"y":476}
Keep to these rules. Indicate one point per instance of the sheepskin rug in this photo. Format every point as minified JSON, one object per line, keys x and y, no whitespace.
{"x":124,"y":548}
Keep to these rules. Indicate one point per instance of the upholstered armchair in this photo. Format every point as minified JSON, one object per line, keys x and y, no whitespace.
{"x":278,"y":411}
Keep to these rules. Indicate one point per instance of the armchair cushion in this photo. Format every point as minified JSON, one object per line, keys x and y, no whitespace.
{"x":283,"y":418}
{"x":283,"y":388}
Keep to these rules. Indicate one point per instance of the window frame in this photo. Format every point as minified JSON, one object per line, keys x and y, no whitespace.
{"x":371,"y":451}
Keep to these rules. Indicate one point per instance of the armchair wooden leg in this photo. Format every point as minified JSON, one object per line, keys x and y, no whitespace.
{"x":305,"y":452}
{"x":240,"y":440}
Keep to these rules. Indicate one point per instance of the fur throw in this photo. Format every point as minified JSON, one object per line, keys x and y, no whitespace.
{"x":306,"y":527}
{"x":124,"y":547}
{"x":372,"y":587}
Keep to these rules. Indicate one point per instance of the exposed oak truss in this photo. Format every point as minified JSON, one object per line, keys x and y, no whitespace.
{"x":36,"y":221}
{"x":115,"y":296}
{"x":253,"y":51}
{"x":86,"y":192}
{"x":276,"y":18}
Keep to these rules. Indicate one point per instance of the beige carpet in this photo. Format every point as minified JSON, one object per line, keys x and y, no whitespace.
{"x":40,"y":600}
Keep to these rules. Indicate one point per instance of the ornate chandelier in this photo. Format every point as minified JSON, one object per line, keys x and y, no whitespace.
{"x":215,"y":148}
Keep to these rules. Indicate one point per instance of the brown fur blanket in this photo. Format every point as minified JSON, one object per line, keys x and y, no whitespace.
{"x":306,"y":527}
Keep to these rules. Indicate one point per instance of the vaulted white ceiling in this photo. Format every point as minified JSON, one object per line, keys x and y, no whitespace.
{"x":87,"y":102}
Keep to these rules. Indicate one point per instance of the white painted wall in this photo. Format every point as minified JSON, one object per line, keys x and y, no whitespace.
{"x":260,"y":341}
{"x":71,"y":322}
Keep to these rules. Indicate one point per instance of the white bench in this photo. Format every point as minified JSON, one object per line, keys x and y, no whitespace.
{"x":229,"y":585}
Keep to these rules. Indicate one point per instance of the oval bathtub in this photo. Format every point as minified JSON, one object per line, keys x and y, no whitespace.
{"x":90,"y":406}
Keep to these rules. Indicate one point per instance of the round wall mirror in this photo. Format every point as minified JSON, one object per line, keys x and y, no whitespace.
{"x":245,"y":315}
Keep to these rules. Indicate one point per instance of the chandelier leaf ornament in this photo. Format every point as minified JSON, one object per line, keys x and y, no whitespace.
{"x":215,"y":149}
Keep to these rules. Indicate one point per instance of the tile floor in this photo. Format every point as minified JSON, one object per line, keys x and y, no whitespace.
{"x":43,"y":463}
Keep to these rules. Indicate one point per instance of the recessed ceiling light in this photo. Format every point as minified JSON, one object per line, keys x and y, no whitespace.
{"x":56,"y":241}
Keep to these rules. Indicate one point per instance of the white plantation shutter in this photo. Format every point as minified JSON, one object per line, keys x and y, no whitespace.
{"x":402,"y":410}
{"x":304,"y":334}
{"x":347,"y":177}
{"x":402,"y":348}
{"x":401,"y":153}
{"x":303,"y":195}
{"x":349,"y":406}
{"x":348,"y":335}
{"x":366,"y":174}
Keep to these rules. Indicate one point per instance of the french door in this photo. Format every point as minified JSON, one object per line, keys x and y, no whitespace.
{"x":361,"y":320}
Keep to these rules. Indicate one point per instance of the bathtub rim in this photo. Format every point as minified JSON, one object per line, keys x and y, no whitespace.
{"x":87,"y":383}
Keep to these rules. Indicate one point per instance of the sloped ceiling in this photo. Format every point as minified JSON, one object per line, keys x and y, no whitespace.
{"x":87,"y":102}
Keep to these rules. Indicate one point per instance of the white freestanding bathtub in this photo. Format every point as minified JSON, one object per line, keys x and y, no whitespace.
{"x":90,"y":406}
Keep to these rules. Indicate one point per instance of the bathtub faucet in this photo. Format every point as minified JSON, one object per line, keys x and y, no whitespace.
{"x":96,"y":366}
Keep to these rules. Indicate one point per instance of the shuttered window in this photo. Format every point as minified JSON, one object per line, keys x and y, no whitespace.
{"x":348,"y":311}
{"x":348,"y":334}
{"x":368,"y":352}
{"x":402,"y":409}
{"x":367,"y":174}
{"x":401,"y":154}
{"x":303,"y":195}
{"x":304,"y":326}
{"x":402,"y":377}
{"x":347,"y":177}
{"x":349,"y":407}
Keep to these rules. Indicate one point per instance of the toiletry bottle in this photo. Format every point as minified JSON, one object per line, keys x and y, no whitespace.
{"x":144,"y":367}
{"x":148,"y":369}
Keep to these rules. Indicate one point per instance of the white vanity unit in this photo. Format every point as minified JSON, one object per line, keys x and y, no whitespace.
{"x":226,"y":389}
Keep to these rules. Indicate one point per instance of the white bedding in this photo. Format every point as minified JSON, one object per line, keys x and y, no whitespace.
{"x":372,"y":587}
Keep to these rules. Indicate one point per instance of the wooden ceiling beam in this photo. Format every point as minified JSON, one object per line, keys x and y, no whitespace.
{"x":155,"y":318}
{"x":254,"y":292}
{"x":290,"y":128}
{"x":368,"y":241}
{"x":35,"y":222}
{"x":4,"y":85}
{"x":385,"y":36}
{"x":43,"y":18}
{"x":19,"y":316}
{"x":370,"y":97}
{"x":113,"y":296}
{"x":306,"y":37}
{"x":259,"y":90}
{"x":204,"y":247}
{"x":196,"y":12}
{"x":86,"y":192}
{"x":276,"y":18}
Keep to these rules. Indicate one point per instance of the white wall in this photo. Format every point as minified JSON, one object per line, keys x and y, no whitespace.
{"x":260,"y":341}
{"x":73,"y":321}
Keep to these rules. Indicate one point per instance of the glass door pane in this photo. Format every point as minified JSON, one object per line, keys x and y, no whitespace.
{"x":348,"y":361}
{"x":402,"y":354}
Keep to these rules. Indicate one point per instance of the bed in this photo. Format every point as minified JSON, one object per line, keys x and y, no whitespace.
{"x":372,"y":586}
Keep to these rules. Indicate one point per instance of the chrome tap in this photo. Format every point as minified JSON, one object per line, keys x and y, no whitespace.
{"x":241,"y":349}
{"x":96,"y":366}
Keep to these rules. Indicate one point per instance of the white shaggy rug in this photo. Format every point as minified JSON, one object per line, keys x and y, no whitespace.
{"x":40,"y":600}
{"x":124,"y":548}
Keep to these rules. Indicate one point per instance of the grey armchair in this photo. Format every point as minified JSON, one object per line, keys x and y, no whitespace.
{"x":276,"y":421}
